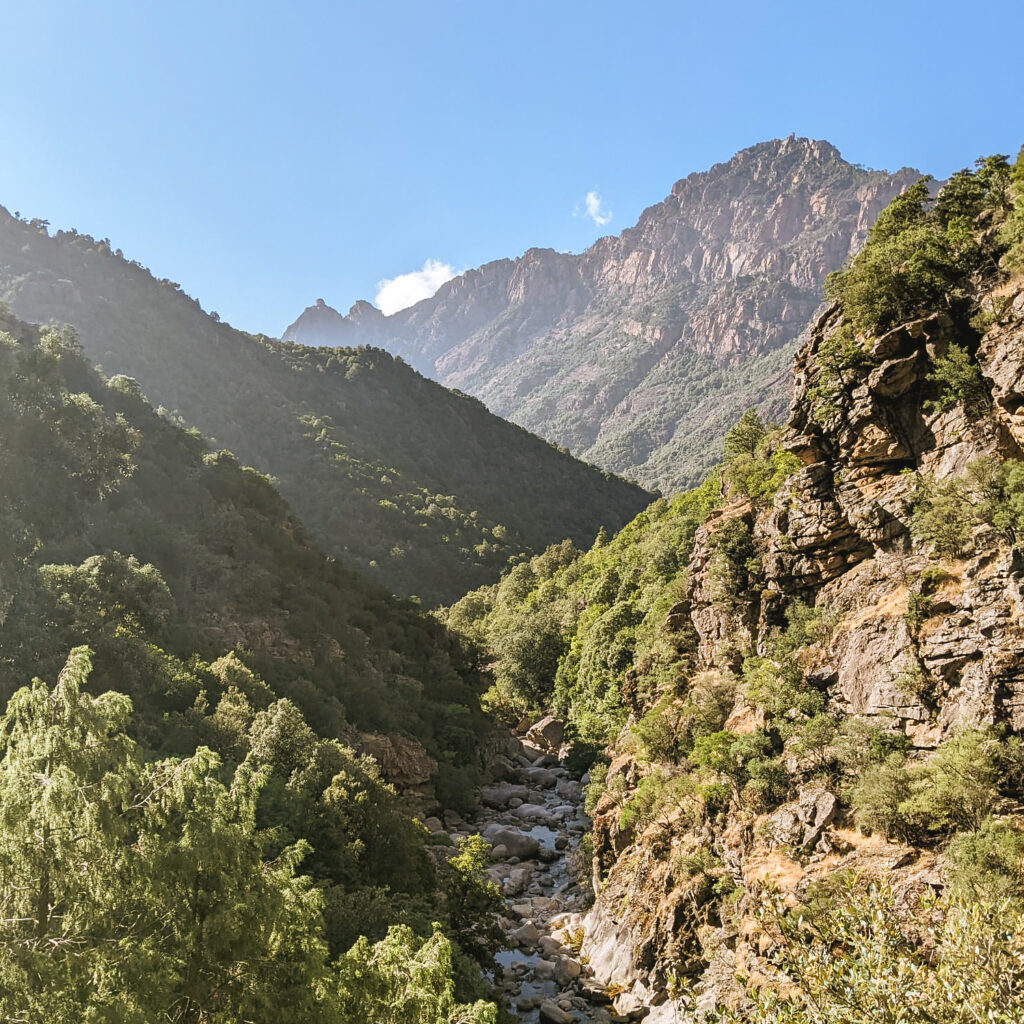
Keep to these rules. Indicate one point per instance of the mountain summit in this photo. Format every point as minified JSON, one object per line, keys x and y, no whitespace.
{"x":638,"y":353}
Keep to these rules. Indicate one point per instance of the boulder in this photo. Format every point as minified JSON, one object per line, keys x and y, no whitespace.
{"x":517,"y":845}
{"x":498,"y":796}
{"x":595,"y":992}
{"x":543,"y":778}
{"x":537,"y":811}
{"x":526,"y":936}
{"x":567,"y":971}
{"x":801,"y":822}
{"x":628,"y":1005}
{"x":544,"y":970}
{"x":552,"y":1013}
{"x":547,"y":734}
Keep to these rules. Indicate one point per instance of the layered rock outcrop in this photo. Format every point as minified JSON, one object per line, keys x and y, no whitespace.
{"x":918,"y":643}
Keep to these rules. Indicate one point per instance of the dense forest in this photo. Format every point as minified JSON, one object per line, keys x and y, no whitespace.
{"x":205,"y":680}
{"x":419,"y":487}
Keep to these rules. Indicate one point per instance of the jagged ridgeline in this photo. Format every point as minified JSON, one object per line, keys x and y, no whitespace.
{"x":418,"y":486}
{"x":639,"y":353}
{"x":808,"y":673}
{"x":245,"y":671}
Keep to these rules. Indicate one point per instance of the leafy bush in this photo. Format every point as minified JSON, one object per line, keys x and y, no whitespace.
{"x":843,"y":362}
{"x":656,"y":793}
{"x":755,"y":465}
{"x":958,"y":379}
{"x":879,"y":795}
{"x":919,"y":256}
{"x":954,"y":790}
{"x":859,"y":961}
{"x":779,"y":687}
{"x":944,"y":512}
{"x":988,"y":863}
{"x":734,"y":567}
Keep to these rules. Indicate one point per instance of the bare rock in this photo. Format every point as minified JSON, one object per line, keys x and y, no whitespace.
{"x":552,"y":1013}
{"x":547,"y":734}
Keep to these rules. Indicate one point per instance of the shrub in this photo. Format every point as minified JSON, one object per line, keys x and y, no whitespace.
{"x":878,"y":796}
{"x":959,"y":381}
{"x":660,"y":732}
{"x":734,"y":567}
{"x":958,"y":785}
{"x":595,"y":788}
{"x":779,"y":687}
{"x":843,"y":362}
{"x":755,"y":465}
{"x":656,"y":793}
{"x":859,"y":962}
{"x":954,"y":790}
{"x":989,"y":863}
{"x":941,"y":516}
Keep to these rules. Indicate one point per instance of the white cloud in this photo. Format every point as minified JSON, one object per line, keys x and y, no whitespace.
{"x":596,"y":210}
{"x":407,"y":289}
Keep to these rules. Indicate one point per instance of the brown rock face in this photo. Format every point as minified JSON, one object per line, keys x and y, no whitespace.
{"x":837,"y":536}
{"x":640,"y":352}
{"x":403,"y":762}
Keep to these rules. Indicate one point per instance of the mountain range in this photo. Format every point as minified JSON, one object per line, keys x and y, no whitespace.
{"x":639,"y":353}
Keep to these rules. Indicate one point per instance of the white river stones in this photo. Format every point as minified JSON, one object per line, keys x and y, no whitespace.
{"x":533,"y":826}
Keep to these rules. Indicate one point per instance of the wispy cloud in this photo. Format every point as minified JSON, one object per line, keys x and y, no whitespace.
{"x":406,"y":290}
{"x":596,"y":210}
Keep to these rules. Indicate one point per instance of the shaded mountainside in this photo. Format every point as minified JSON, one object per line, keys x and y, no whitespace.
{"x":640,"y":352}
{"x":418,"y":486}
{"x":807,"y":675}
{"x":94,"y":478}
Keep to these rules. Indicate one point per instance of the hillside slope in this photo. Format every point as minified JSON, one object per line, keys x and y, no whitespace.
{"x":262,"y":677}
{"x":808,"y":674}
{"x":638,"y":353}
{"x":418,"y":486}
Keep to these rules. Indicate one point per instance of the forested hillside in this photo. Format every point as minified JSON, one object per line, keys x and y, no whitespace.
{"x":800,"y":684}
{"x":191,"y":830}
{"x":418,"y":486}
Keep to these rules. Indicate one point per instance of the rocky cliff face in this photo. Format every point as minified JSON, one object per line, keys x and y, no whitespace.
{"x":916,"y":645}
{"x":640,"y":352}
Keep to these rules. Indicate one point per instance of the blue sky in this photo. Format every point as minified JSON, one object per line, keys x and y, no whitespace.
{"x":267,"y":154}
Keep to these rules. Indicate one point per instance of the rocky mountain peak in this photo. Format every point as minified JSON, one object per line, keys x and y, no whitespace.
{"x":638,"y":353}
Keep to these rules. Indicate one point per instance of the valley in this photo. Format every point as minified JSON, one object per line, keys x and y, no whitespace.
{"x":419,"y":719}
{"x":639,"y":353}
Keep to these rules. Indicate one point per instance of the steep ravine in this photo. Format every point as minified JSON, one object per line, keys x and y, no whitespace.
{"x":535,"y":824}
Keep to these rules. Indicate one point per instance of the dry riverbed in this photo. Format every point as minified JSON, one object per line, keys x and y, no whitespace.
{"x":534,"y":826}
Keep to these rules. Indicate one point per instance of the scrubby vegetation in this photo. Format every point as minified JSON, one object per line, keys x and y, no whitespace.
{"x":698,"y":752}
{"x":236,"y":842}
{"x":591,"y":634}
{"x":926,"y":255}
{"x":860,"y":959}
{"x":139,"y":890}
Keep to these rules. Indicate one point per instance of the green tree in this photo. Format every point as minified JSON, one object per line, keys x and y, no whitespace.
{"x":137,"y":892}
{"x":404,"y":980}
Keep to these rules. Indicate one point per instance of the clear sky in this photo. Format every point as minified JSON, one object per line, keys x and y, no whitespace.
{"x":266,"y":154}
